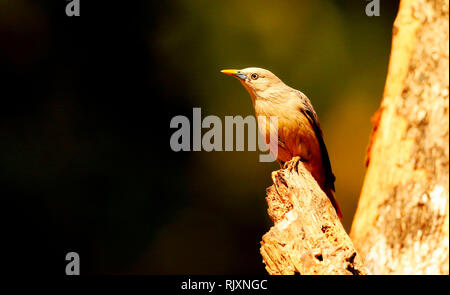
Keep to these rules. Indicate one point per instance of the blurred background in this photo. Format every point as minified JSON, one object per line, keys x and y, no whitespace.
{"x":85,"y":160}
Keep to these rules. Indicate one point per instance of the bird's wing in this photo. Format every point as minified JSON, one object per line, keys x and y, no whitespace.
{"x":329,"y":176}
{"x":310,"y":113}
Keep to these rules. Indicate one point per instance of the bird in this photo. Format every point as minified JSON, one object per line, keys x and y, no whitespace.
{"x":299,"y":131}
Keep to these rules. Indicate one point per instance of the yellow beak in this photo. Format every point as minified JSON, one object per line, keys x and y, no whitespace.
{"x":230,"y":72}
{"x":235,"y":73}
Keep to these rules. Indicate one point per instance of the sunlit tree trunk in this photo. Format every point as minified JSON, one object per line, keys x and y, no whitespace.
{"x":402,"y":224}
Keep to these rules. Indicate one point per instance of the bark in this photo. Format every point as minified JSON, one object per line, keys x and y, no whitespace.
{"x":307,"y":237}
{"x":402,"y":224}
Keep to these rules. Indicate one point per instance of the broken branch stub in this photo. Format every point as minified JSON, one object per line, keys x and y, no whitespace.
{"x":307,"y":236}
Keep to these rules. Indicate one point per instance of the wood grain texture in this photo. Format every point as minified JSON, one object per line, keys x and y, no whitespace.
{"x":307,"y":236}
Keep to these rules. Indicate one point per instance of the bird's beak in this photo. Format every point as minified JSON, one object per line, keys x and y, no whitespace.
{"x":235,"y":73}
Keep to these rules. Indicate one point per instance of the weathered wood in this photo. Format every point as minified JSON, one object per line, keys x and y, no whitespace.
{"x":307,"y":237}
{"x":402,"y":223}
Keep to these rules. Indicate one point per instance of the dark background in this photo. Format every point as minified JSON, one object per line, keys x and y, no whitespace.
{"x":85,"y":160}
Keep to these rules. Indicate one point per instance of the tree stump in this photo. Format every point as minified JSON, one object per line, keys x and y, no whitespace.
{"x":308,"y":237}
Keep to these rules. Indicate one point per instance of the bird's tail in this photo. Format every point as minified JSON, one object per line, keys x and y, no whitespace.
{"x":330,"y":194}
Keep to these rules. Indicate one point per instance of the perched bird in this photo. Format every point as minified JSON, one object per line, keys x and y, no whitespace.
{"x":299,"y":132}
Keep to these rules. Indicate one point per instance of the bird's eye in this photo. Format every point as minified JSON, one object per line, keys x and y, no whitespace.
{"x":254,"y":76}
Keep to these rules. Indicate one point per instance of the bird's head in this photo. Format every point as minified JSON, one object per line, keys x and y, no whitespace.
{"x":260,"y":83}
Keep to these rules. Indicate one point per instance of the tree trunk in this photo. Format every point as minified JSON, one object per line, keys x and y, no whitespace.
{"x":402,"y":222}
{"x":402,"y":225}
